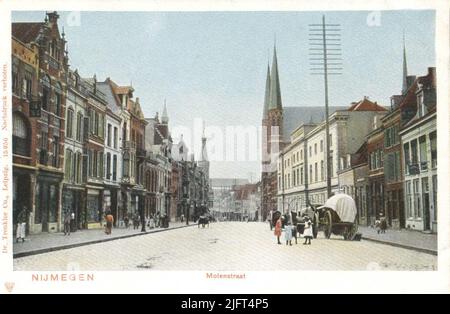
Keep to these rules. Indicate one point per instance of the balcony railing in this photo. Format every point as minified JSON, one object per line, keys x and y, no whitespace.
{"x":128,"y":145}
{"x":413,"y":169}
{"x":434,"y":163}
{"x":141,"y":153}
{"x":424,"y":166}
{"x":53,"y":63}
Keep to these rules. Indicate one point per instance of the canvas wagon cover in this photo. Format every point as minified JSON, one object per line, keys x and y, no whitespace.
{"x":343,"y":205}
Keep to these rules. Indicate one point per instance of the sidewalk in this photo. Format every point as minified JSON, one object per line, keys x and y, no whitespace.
{"x":409,"y":239}
{"x":47,"y":242}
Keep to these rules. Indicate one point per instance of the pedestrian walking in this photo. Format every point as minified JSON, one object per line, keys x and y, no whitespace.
{"x":269,"y":219}
{"x":308,"y":233}
{"x":278,"y":229}
{"x":288,"y":233}
{"x":126,"y":220}
{"x":150,"y":221}
{"x":383,"y":223}
{"x":158,"y":220}
{"x":136,"y":220}
{"x":73,"y":226}
{"x":21,"y":225}
{"x":109,"y":222}
{"x":67,"y":221}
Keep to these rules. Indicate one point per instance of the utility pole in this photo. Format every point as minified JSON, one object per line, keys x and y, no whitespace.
{"x":323,"y":36}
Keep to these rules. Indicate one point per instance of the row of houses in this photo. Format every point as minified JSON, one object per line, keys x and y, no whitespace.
{"x":384,"y":157}
{"x":83,"y":146}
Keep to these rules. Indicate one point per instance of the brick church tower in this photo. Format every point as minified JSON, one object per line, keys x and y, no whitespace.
{"x":272,"y":126}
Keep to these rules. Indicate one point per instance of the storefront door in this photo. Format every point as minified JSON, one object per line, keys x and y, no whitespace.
{"x":426,"y":204}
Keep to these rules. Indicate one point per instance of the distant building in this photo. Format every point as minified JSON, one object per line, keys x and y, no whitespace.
{"x":247,"y":201}
{"x":222,"y":192}
{"x":74,"y":196}
{"x":375,"y":151}
{"x":302,"y":177}
{"x":278,"y":123}
{"x":113,"y":153}
{"x":95,"y":150}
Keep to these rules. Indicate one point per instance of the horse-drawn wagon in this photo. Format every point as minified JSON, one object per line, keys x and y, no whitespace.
{"x":338,"y":216}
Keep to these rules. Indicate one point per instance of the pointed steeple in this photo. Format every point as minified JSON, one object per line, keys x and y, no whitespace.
{"x":165,"y":117}
{"x":275,"y":93}
{"x":267,"y":94}
{"x":405,"y":68}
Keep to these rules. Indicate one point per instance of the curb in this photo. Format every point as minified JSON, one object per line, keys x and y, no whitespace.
{"x":74,"y":245}
{"x":404,"y":246}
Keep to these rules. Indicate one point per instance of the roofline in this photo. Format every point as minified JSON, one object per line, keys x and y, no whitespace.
{"x":422,"y":120}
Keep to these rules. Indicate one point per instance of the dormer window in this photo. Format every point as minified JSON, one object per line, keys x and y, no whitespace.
{"x":54,"y":51}
{"x":420,"y":104}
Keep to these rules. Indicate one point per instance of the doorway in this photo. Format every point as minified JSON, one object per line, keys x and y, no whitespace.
{"x":426,"y":205}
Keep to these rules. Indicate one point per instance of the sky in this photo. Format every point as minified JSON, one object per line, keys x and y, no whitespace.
{"x":211,"y":66}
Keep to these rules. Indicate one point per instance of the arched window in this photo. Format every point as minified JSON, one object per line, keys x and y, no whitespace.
{"x":58,"y":98}
{"x":21,"y":136}
{"x":46,"y":88}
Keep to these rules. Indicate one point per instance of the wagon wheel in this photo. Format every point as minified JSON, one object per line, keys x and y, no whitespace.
{"x":315,"y":225}
{"x":328,"y":224}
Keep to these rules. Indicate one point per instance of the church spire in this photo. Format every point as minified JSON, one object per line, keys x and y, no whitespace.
{"x":267,"y":94}
{"x":275,"y":93}
{"x":204,"y":156}
{"x":405,"y":68}
{"x":165,"y":117}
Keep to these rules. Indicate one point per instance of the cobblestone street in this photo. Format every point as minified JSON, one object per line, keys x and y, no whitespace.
{"x":228,"y":246}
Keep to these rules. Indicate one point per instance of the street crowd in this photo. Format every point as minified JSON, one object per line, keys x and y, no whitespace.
{"x":292,"y":227}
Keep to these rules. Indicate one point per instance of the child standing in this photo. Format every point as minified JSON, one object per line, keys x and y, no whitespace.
{"x":278,"y":228}
{"x":288,"y":233}
{"x":308,"y":234}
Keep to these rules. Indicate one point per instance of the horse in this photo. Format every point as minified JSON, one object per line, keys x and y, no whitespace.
{"x":202,"y":220}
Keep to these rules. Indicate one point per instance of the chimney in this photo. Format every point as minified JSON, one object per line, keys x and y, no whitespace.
{"x":410,"y":80}
{"x":432,"y":75}
{"x":53,"y":17}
